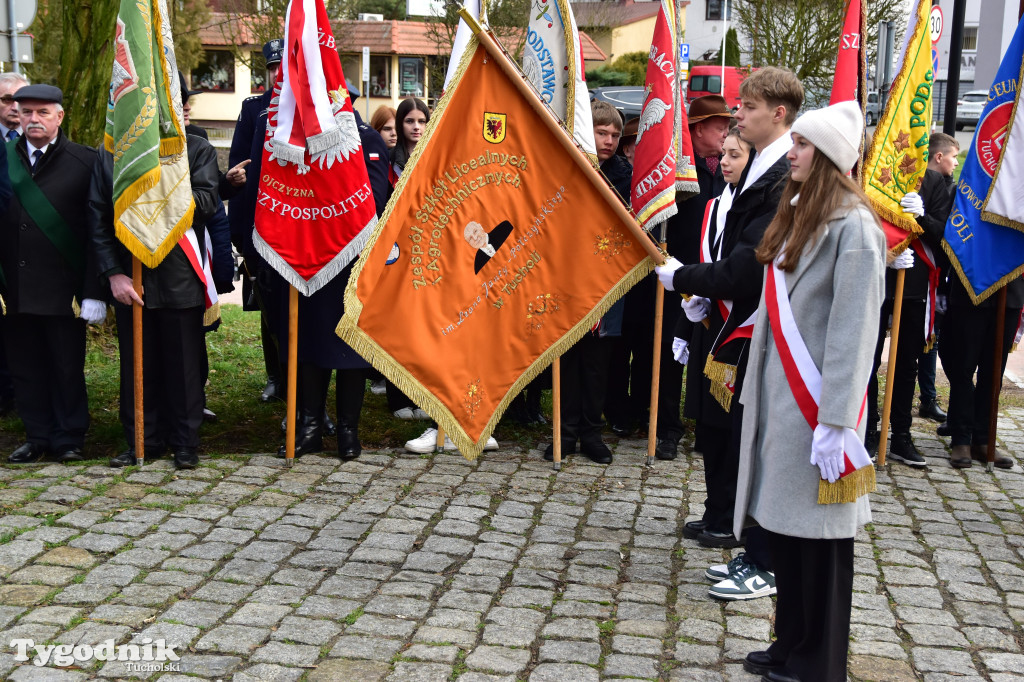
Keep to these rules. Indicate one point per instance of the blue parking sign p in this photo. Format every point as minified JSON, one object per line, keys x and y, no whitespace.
{"x":684,"y":52}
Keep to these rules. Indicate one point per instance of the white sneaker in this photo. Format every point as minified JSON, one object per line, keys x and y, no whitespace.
{"x":427,"y":442}
{"x":719,"y":572}
{"x":746,"y":583}
{"x":378,"y":387}
{"x":405,"y":413}
{"x":420,"y":414}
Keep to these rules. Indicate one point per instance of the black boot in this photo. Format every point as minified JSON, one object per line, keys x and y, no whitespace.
{"x":569,"y":439}
{"x":312,"y":401}
{"x":871,"y":440}
{"x":533,"y":392}
{"x":931,"y":410}
{"x":349,"y":391}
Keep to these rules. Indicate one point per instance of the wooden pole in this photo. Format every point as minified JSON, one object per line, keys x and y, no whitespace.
{"x":890,"y":370}
{"x":140,"y":415}
{"x":293,"y":356}
{"x":556,"y":413}
{"x":439,"y":443}
{"x":997,"y":378}
{"x":659,"y":316}
{"x":551,"y":121}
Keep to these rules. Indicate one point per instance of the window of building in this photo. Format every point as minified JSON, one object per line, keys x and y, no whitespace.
{"x":970,"y":38}
{"x":258,"y":73}
{"x":380,"y":76}
{"x":411,"y":76}
{"x":715,"y":9}
{"x":215,"y":72}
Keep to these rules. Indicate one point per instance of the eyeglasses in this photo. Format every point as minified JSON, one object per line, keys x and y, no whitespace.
{"x":7,"y":99}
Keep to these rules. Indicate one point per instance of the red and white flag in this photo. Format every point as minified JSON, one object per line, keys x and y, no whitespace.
{"x":314,"y":208}
{"x":850,"y":74}
{"x":663,"y":161}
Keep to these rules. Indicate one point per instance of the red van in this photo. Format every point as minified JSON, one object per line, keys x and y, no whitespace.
{"x":707,"y":80}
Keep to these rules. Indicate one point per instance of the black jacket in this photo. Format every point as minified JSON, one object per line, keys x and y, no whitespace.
{"x":737,"y":276}
{"x":173,"y":283}
{"x":937,"y":193}
{"x":39,"y":280}
{"x":247,"y":143}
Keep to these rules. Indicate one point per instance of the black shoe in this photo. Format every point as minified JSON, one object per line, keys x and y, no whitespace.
{"x":979,"y":453}
{"x":185,"y":458}
{"x":942,"y":429}
{"x":760,"y":663}
{"x":272,"y":391}
{"x":692,"y":529}
{"x":717,"y":538}
{"x":308,"y":436}
{"x":597,"y":451}
{"x":330,"y":428}
{"x":348,"y":444}
{"x":209,"y":416}
{"x":902,"y":449}
{"x":780,"y":675}
{"x":69,"y":453}
{"x":29,"y":453}
{"x":125,"y":459}
{"x":567,"y":449}
{"x":871,"y":442}
{"x":931,"y":410}
{"x":667,"y":448}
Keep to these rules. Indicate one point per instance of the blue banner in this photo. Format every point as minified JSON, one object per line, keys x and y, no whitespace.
{"x":984,"y":254}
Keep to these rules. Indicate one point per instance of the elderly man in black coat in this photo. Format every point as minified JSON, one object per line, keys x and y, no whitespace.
{"x":49,"y":286}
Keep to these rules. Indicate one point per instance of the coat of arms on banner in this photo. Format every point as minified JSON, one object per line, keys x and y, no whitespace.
{"x":494,"y":127}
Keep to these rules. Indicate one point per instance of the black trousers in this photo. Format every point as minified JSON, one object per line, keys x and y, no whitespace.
{"x":909,"y":347}
{"x":6,"y":383}
{"x":812,"y":610}
{"x":46,"y":357}
{"x":172,"y":345}
{"x":719,"y":475}
{"x":967,"y":344}
{"x":584,"y":382}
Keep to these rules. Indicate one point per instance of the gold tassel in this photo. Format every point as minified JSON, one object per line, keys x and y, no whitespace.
{"x":3,"y":306}
{"x":931,"y":344}
{"x":722,"y":376}
{"x":848,"y":488}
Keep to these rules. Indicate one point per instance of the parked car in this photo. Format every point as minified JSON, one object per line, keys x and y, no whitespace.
{"x":969,"y":108}
{"x":871,"y":109}
{"x":628,"y":99}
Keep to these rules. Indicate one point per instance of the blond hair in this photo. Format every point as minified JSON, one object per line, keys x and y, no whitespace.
{"x":605,"y":114}
{"x":777,"y":87}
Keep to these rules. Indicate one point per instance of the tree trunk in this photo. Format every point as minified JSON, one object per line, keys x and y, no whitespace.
{"x":87,"y":59}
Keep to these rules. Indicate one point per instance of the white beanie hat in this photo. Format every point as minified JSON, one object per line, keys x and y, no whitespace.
{"x":835,"y":131}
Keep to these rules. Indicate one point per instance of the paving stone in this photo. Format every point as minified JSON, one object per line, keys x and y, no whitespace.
{"x":237,"y":639}
{"x":420,"y":672}
{"x":333,"y":670}
{"x":370,"y":648}
{"x":259,"y":615}
{"x":564,"y":651}
{"x":287,"y":654}
{"x":943,"y":661}
{"x":198,"y":613}
{"x":266,"y":672}
{"x":498,"y":659}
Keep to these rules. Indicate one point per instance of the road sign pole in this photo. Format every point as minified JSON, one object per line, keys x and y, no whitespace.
{"x":14,"y":36}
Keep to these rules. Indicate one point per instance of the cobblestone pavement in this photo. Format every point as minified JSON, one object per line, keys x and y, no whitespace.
{"x":420,"y":568}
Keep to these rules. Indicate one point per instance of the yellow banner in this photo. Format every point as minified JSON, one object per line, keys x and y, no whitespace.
{"x":898,"y":154}
{"x":498,"y":251}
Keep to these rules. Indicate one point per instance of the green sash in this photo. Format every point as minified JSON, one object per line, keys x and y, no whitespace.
{"x":42,"y":212}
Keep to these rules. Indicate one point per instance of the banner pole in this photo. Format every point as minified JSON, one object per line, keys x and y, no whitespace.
{"x":140,"y":415}
{"x":439,"y":443}
{"x":552,"y":122}
{"x":293,"y":356}
{"x":556,"y":413}
{"x":890,"y":370}
{"x":997,"y":379}
{"x":659,"y":316}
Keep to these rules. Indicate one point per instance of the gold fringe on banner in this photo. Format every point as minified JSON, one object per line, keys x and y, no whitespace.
{"x":848,"y":488}
{"x":211,"y":314}
{"x":722,"y":376}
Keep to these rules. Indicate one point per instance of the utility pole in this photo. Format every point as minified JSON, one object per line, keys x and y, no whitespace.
{"x":956,"y":44}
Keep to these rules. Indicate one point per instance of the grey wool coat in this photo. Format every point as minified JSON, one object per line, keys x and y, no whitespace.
{"x":835,"y":292}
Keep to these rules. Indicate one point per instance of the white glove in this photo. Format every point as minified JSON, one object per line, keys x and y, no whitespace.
{"x":913,"y":204}
{"x":93,"y":311}
{"x":904,"y":261}
{"x":667,"y":271}
{"x":680,"y":350}
{"x":696,"y":308}
{"x":827,"y":451}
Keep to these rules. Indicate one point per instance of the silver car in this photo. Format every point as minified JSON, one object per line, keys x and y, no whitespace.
{"x":969,"y":108}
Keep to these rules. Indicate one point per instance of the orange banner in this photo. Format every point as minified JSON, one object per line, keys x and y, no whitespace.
{"x":496,"y":253}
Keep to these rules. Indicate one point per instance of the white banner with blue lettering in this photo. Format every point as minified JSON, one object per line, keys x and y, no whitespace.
{"x":553,"y":64}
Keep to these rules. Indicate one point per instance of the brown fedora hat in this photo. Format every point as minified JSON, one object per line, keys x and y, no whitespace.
{"x":707,"y":107}
{"x":628,"y":133}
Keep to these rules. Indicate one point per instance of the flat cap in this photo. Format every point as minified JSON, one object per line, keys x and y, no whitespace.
{"x":42,"y":93}
{"x":273,"y":51}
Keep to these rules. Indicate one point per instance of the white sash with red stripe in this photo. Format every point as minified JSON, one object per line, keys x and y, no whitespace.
{"x":804,"y":380}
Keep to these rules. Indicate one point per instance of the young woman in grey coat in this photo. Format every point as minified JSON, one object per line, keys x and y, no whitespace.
{"x":829,"y":252}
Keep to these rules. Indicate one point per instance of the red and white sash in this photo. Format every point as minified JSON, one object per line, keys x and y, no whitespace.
{"x":924,"y":252}
{"x":804,"y":379}
{"x":709,"y":234}
{"x":189,"y":243}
